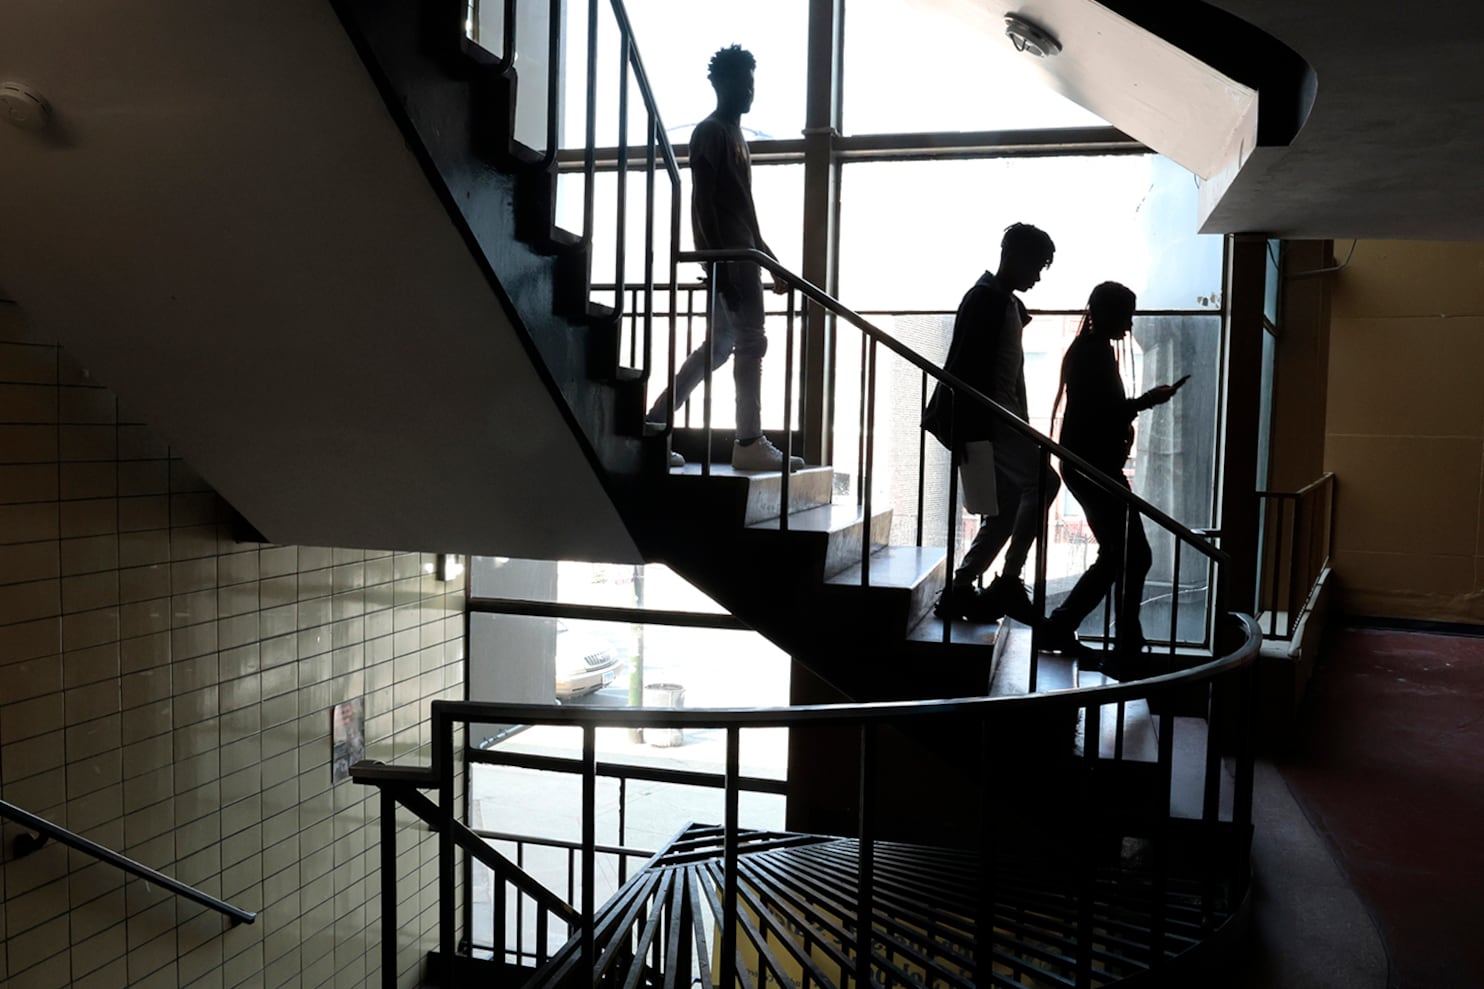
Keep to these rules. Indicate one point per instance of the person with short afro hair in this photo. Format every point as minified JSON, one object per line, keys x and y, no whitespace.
{"x":723,"y":217}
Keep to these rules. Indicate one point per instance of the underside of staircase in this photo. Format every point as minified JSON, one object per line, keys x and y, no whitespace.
{"x":802,"y":588}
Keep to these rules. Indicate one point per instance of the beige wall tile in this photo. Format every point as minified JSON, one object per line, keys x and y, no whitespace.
{"x":89,"y":592}
{"x":28,"y":482}
{"x":45,"y":942}
{"x":30,"y":601}
{"x":30,"y":522}
{"x":143,"y":477}
{"x":88,"y":480}
{"x":88,"y":442}
{"x":25,"y":363}
{"x":87,"y":405}
{"x":28,"y":403}
{"x":91,"y":665}
{"x":89,"y":554}
{"x":90,"y":517}
{"x":171,"y":696}
{"x":141,"y":443}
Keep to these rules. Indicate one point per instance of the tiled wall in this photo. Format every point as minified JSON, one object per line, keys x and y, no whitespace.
{"x":1405,"y":429}
{"x":166,"y":691}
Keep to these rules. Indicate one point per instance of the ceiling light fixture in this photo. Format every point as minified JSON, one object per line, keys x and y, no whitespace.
{"x":1029,"y":37}
{"x":23,"y":106}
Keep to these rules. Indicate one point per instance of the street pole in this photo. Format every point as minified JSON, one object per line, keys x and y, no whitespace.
{"x":636,"y":668}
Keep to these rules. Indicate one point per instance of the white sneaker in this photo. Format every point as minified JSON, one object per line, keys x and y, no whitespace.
{"x":676,"y":460}
{"x":761,"y":454}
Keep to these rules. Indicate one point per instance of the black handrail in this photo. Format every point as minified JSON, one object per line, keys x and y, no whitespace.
{"x":1230,"y":672}
{"x":1004,"y":415}
{"x":72,"y":839}
{"x":449,"y":712}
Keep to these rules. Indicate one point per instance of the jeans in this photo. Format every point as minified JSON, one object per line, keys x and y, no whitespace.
{"x":1108,"y":518}
{"x":736,"y":329}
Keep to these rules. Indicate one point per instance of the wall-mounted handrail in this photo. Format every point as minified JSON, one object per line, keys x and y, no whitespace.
{"x":1002,"y":414}
{"x":72,"y":839}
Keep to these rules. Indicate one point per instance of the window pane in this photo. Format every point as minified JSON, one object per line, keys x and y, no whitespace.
{"x":613,"y":585}
{"x":676,"y":39}
{"x":916,"y":234}
{"x":910,"y":68}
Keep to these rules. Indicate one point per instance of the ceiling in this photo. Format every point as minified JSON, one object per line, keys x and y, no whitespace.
{"x":1392,"y":143}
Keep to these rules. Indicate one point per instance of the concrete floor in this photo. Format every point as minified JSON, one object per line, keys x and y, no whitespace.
{"x":1309,"y":928}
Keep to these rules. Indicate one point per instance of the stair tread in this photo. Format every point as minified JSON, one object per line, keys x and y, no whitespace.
{"x":963,"y":632}
{"x":727,"y":470}
{"x":895,"y":566}
{"x":822,"y":518}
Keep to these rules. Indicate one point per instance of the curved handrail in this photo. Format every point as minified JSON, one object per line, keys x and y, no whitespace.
{"x":960,"y":386}
{"x":72,"y":839}
{"x":875,"y":711}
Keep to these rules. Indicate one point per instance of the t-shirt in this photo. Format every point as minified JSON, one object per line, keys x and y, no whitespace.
{"x":718,"y":145}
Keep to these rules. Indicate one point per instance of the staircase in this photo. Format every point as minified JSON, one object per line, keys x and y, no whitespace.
{"x":803,"y":588}
{"x":1065,"y":897}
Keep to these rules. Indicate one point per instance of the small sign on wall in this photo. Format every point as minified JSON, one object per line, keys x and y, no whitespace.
{"x":348,"y":738}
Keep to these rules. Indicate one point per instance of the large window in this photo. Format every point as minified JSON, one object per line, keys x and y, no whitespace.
{"x":915,"y":234}
{"x":677,"y":39}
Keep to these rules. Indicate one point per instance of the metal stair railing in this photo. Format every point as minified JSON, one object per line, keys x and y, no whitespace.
{"x":1224,"y":686}
{"x":1297,"y":536}
{"x":657,"y":155}
{"x":873,"y":337}
{"x":48,"y":831}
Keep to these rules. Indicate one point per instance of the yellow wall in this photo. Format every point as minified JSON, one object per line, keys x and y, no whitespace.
{"x":166,"y":691}
{"x":1404,"y":430}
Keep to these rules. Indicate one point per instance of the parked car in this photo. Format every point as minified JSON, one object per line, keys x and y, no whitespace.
{"x":584,"y":663}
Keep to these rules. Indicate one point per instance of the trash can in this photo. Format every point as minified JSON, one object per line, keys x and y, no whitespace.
{"x":671,"y":695}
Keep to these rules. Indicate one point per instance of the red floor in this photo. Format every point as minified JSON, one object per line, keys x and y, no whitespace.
{"x":1390,"y":768}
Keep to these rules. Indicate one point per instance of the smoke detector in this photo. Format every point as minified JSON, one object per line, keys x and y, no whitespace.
{"x":23,"y":106}
{"x":1029,"y":37}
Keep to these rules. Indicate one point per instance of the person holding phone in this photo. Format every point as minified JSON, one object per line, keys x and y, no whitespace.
{"x":1099,"y":428}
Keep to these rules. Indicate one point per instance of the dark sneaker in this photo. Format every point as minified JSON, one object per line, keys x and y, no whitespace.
{"x":983,"y":608}
{"x":1060,"y":639}
{"x":1010,"y":596}
{"x":953,"y":602}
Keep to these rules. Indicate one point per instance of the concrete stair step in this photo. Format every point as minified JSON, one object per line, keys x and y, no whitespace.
{"x":837,"y":528}
{"x":912,"y":574}
{"x":760,"y":493}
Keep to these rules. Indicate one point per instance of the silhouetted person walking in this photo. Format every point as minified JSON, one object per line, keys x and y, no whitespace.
{"x":723,"y":217}
{"x":987,"y":353}
{"x":1099,"y":428}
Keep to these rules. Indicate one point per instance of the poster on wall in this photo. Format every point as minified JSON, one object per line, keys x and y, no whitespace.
{"x":348,"y":738}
